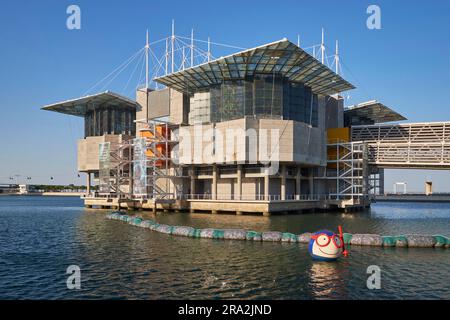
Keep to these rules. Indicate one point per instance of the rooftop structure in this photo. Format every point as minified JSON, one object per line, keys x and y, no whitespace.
{"x":281,"y":57}
{"x":104,"y":113}
{"x":370,"y":112}
{"x":80,"y":107}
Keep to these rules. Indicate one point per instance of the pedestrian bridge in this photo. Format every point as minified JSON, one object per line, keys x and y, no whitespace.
{"x":413,"y":145}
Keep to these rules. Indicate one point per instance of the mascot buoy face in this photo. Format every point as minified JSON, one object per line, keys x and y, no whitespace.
{"x":325,"y":245}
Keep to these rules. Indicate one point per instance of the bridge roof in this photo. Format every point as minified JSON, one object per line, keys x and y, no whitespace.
{"x":371,"y":111}
{"x":282,"y":57}
{"x":79,"y":106}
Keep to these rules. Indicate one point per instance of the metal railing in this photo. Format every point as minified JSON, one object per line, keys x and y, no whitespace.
{"x":220,"y":197}
{"x":415,"y":145}
{"x":257,"y":197}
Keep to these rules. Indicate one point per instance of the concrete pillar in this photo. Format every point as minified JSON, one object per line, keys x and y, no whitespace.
{"x":88,"y":183}
{"x":266,"y":184}
{"x":214,"y":183}
{"x":283,"y":182}
{"x":298,"y":183}
{"x":192,"y":175}
{"x":239,"y":182}
{"x":381,"y":181}
{"x":311,"y":182}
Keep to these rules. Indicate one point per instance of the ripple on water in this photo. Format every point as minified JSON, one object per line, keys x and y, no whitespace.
{"x":41,"y":237}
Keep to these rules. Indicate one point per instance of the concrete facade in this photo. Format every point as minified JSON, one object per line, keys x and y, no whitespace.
{"x":88,"y":150}
{"x":235,"y":179}
{"x":240,"y":142}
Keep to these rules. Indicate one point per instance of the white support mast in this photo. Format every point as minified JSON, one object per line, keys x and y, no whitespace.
{"x":147,"y":47}
{"x":192,"y":47}
{"x":173,"y":44}
{"x":298,"y":40}
{"x":183,"y":58}
{"x":336,"y":57}
{"x":167,"y":56}
{"x":322,"y":47}
{"x":209,"y":49}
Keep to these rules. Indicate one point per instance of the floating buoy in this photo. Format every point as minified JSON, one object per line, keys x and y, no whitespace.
{"x":339,"y":241}
{"x":326,"y":246}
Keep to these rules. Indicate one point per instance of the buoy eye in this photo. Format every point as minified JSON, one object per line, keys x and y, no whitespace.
{"x":323,"y":240}
{"x":337,"y":241}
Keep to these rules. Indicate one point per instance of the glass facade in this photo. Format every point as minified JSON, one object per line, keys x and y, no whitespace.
{"x":109,"y":120}
{"x":300,"y":104}
{"x":199,"y":108}
{"x":261,"y":96}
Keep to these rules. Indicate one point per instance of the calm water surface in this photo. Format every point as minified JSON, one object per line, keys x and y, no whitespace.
{"x":41,"y":236}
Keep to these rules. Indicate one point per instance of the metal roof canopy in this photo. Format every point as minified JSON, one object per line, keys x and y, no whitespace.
{"x":281,"y":56}
{"x":374,"y":111}
{"x":79,"y":106}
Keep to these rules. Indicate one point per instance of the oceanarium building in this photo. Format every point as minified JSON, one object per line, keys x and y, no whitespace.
{"x":260,"y":131}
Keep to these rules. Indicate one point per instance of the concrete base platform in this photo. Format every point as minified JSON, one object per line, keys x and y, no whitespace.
{"x":238,"y":207}
{"x":114,"y":203}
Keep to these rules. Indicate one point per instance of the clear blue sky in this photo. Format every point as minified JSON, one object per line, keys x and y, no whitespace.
{"x":405,"y":65}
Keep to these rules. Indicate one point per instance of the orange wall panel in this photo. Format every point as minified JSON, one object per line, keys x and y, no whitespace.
{"x":338,"y":135}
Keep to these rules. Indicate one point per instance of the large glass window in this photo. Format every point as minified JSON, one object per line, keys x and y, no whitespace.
{"x":268,"y":95}
{"x":261,"y":96}
{"x":109,"y":120}
{"x":233,"y":100}
{"x":300,"y":104}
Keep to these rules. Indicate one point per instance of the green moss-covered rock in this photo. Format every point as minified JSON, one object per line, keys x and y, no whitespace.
{"x":441,"y":241}
{"x":234,"y":234}
{"x":182,"y":231}
{"x":304,"y":237}
{"x":124,"y":218}
{"x":196,"y":233}
{"x":218,"y":234}
{"x":154,"y":226}
{"x":164,"y":228}
{"x":420,"y":241}
{"x":145,"y":224}
{"x":288,"y":237}
{"x":212,"y":233}
{"x":366,"y":240}
{"x":135,"y":221}
{"x":388,"y":241}
{"x":401,"y":241}
{"x":273,"y":236}
{"x":114,"y":216}
{"x":411,"y":240}
{"x":253,"y":235}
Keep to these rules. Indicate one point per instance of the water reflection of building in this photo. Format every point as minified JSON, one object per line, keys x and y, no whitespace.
{"x":327,"y":281}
